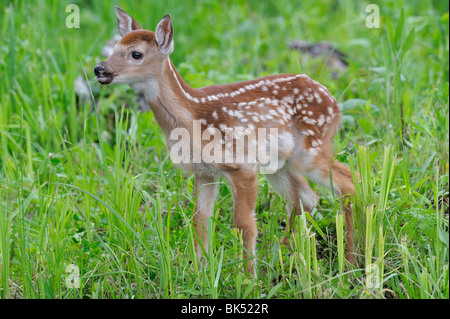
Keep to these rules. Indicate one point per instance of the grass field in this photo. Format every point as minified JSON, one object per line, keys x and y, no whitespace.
{"x":92,"y":191}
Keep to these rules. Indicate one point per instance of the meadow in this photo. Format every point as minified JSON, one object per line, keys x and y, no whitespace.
{"x":92,"y":207}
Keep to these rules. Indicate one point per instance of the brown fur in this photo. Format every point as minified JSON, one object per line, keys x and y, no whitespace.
{"x":137,"y":36}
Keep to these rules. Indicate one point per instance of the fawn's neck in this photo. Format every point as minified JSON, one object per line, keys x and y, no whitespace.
{"x":170,"y":98}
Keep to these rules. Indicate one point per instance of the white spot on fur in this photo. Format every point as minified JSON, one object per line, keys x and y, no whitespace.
{"x":321,"y":120}
{"x":273,"y":112}
{"x":318,"y":99}
{"x":307,"y":120}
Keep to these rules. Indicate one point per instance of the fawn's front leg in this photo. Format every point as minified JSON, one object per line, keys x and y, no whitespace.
{"x":244,"y":185}
{"x":205,"y":193}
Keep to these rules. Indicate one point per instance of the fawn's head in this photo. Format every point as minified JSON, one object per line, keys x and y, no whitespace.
{"x":139,"y":54}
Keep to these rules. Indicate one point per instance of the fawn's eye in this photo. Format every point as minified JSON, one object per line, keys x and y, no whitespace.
{"x":136,"y":55}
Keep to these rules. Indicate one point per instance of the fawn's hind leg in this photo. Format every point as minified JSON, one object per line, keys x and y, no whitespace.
{"x":342,"y":183}
{"x":293,"y":187}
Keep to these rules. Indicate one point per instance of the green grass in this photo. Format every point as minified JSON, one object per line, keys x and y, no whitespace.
{"x":96,"y":188}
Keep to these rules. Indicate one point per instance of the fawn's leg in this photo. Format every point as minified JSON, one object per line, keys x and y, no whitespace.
{"x":342,"y":186}
{"x":345,"y":184}
{"x":296,"y":190}
{"x":244,"y":185}
{"x":205,"y":192}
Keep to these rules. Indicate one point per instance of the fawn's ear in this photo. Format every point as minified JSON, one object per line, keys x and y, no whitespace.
{"x":125,"y":22}
{"x":164,"y":35}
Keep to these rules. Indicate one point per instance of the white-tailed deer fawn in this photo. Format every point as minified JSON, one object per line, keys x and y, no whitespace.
{"x":304,"y":113}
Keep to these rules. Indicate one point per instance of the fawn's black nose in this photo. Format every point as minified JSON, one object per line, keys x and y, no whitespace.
{"x":98,"y":69}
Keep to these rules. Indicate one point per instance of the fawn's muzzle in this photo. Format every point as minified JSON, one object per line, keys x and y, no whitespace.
{"x":98,"y":70}
{"x":102,"y":75}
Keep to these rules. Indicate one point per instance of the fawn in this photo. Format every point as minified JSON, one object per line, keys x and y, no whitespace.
{"x":305,"y":113}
